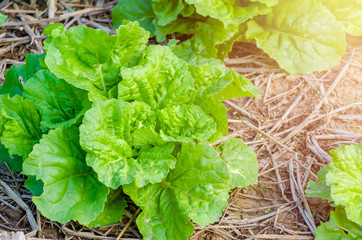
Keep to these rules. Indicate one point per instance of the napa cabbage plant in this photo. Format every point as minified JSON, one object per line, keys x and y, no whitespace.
{"x":301,"y":35}
{"x":100,"y":117}
{"x":340,"y":182}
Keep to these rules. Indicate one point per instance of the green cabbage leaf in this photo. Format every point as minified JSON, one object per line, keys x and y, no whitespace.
{"x":349,"y":13}
{"x":137,"y":10}
{"x":302,"y":36}
{"x":17,"y":75}
{"x":241,"y":162}
{"x":20,"y":125}
{"x":90,"y":59}
{"x":71,"y":188}
{"x":319,"y":189}
{"x":59,"y":103}
{"x":167,"y":205}
{"x":339,"y":227}
{"x":113,"y":210}
{"x":345,"y":179}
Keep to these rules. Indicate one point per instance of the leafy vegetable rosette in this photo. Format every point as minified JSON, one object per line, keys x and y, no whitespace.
{"x":302,"y":36}
{"x":99,"y":117}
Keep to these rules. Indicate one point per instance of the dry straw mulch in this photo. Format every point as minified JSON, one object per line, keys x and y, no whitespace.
{"x":291,"y":128}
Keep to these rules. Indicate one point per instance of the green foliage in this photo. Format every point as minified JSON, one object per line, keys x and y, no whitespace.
{"x":349,"y":13}
{"x":17,"y":75}
{"x":71,"y":188}
{"x":35,"y":186}
{"x":59,"y":103}
{"x":234,"y":151}
{"x":113,"y":210}
{"x":184,"y":123}
{"x":101,"y":117}
{"x":138,"y":10}
{"x":301,"y":35}
{"x":319,"y":189}
{"x":345,"y":180}
{"x":341,"y":182}
{"x":2,"y":19}
{"x":91,"y":59}
{"x":339,"y":227}
{"x":167,"y":204}
{"x":20,"y":125}
{"x":14,"y":162}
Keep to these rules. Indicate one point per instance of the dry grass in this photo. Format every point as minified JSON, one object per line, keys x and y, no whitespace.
{"x":291,"y":128}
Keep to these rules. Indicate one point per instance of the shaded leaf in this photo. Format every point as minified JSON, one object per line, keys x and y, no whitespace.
{"x":14,"y":162}
{"x":113,"y":210}
{"x":134,"y":10}
{"x":17,"y":75}
{"x":21,"y":129}
{"x":167,"y":11}
{"x":35,"y":186}
{"x":59,"y":103}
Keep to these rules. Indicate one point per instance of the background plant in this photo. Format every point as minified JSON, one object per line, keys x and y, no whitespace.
{"x":301,"y":35}
{"x":340,"y":183}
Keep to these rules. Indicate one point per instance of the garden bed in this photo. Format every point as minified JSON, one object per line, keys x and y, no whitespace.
{"x":298,"y":119}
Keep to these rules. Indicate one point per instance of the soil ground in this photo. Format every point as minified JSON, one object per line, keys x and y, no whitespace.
{"x":291,"y":128}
